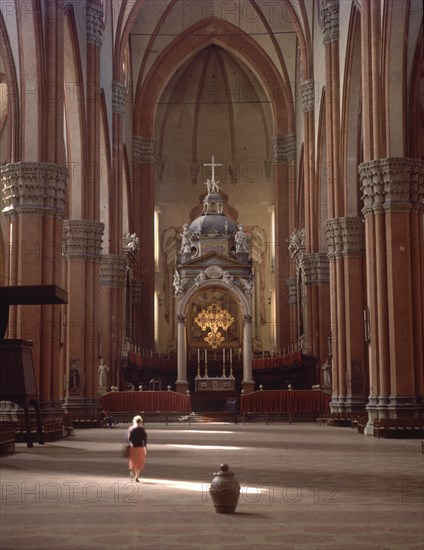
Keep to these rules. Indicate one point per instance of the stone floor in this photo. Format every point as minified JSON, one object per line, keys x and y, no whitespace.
{"x":303,"y":486}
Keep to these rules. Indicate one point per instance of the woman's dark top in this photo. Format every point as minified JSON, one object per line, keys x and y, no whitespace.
{"x":138,"y":437}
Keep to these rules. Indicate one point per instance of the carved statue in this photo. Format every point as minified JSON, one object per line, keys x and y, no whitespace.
{"x":227,"y":278}
{"x":103,"y":370}
{"x":212,"y":186}
{"x":199,"y":279}
{"x":185,"y":243}
{"x":326,"y":369}
{"x":247,"y":286}
{"x":178,"y":284}
{"x":131,"y":242}
{"x":241,"y":242}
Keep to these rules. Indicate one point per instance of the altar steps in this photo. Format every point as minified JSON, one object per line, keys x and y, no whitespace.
{"x":211,"y":416}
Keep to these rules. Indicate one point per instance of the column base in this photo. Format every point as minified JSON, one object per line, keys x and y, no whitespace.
{"x":337,"y":403}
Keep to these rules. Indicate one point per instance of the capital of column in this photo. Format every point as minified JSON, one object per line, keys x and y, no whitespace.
{"x":82,"y":239}
{"x":181,"y":318}
{"x":247,"y":318}
{"x":113,"y":270}
{"x":392,"y":185}
{"x":94,"y":23}
{"x":284,"y":148}
{"x":144,"y":150}
{"x":35,"y":188}
{"x":119,"y":92}
{"x":136,"y":294}
{"x":345,"y":236}
{"x":330,"y":22}
{"x":292,"y":291}
{"x":307,"y":92}
{"x":315,"y":269}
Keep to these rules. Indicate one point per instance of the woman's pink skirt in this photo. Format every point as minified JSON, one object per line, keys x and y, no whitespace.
{"x":136,"y":458}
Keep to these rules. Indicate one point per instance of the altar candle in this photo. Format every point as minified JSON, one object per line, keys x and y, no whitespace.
{"x":231,"y":356}
{"x":223,"y":355}
{"x":198,"y":356}
{"x":206,"y":356}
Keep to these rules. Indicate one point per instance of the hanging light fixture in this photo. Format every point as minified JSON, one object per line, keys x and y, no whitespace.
{"x":214,"y":318}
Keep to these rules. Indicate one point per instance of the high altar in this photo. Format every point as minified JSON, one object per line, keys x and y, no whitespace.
{"x":213,"y":291}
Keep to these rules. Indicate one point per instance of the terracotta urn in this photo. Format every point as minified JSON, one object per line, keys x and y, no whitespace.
{"x":225,"y":491}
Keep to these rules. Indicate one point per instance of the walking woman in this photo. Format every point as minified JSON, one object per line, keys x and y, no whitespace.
{"x":137,"y":437}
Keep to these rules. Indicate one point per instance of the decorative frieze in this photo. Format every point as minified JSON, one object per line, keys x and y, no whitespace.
{"x":94,"y":23}
{"x":284,"y":148}
{"x":292,"y":291}
{"x":113,"y":270}
{"x":330,"y":22}
{"x":345,"y":237}
{"x":307,"y":92}
{"x":315,"y":269}
{"x":82,"y":239}
{"x":34,"y":188}
{"x":392,"y":185}
{"x":119,"y":93}
{"x":144,"y":150}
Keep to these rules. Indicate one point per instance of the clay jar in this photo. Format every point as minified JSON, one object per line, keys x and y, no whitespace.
{"x":225,"y":491}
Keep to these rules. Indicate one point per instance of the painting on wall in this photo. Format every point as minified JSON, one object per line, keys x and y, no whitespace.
{"x":232,"y":336}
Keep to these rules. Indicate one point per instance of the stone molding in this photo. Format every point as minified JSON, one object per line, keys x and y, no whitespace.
{"x":136,"y":292}
{"x":292,"y":291}
{"x":82,"y":239}
{"x":392,"y":185}
{"x":284,"y":148}
{"x":345,"y":237}
{"x":315,"y":269}
{"x":94,"y":24}
{"x":330,"y":22}
{"x":34,"y":188}
{"x":144,"y":150}
{"x":307,"y":92}
{"x":113,"y":270}
{"x":119,"y":93}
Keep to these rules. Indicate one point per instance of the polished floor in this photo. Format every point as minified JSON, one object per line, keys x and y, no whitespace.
{"x":303,"y":486}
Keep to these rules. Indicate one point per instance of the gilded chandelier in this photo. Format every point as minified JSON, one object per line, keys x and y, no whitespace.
{"x":214,"y":318}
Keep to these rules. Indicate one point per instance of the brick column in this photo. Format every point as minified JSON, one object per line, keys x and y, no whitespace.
{"x":393,"y":194}
{"x":144,"y":157}
{"x":316,"y":277}
{"x":112,"y":283}
{"x":34,"y":196}
{"x":285,"y":184}
{"x":345,"y":238}
{"x":82,"y":252}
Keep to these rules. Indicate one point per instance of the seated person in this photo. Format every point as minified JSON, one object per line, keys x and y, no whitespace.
{"x":108,"y":418}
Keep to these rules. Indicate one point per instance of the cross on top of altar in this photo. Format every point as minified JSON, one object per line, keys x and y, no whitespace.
{"x":212,"y":184}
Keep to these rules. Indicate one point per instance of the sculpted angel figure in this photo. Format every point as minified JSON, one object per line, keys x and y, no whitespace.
{"x":178,"y":284}
{"x":185,"y":243}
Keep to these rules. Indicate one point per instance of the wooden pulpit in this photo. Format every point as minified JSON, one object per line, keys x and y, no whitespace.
{"x":17,"y":378}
